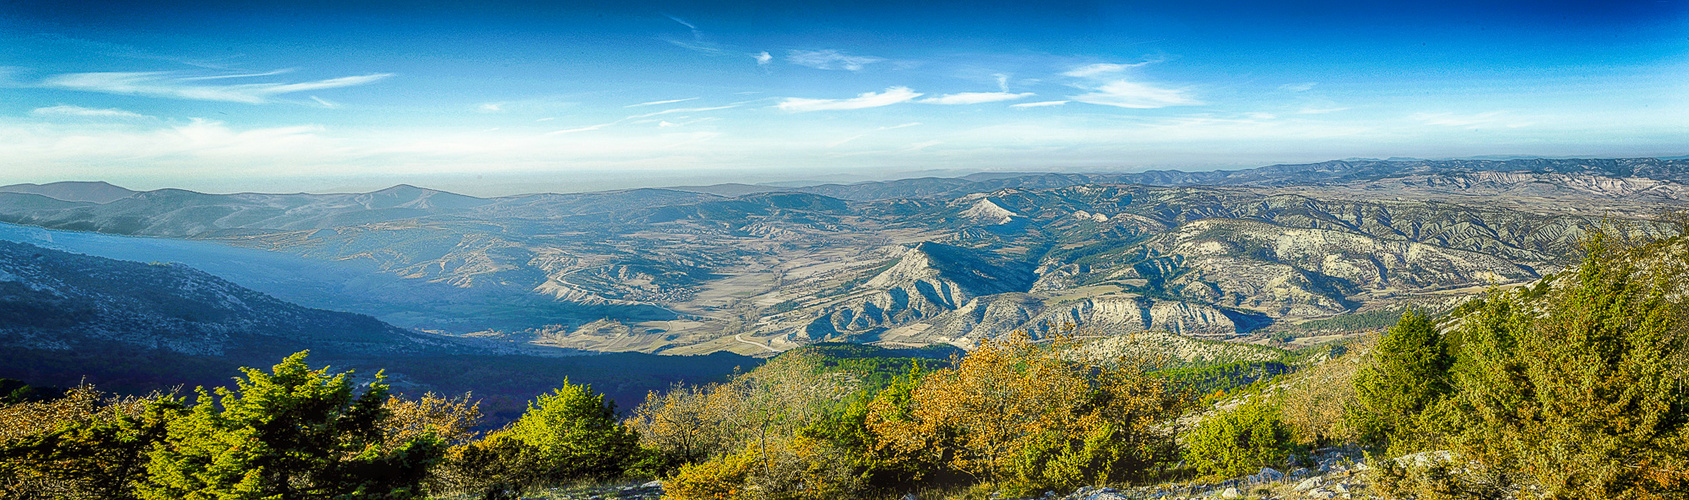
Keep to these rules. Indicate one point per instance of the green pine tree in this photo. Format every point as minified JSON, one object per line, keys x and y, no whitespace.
{"x":1409,"y":374}
{"x":293,"y":433}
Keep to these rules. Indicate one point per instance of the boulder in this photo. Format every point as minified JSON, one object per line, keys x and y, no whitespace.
{"x":1231,"y":493}
{"x":1425,"y":458}
{"x":1309,"y":483}
{"x":1095,"y":493}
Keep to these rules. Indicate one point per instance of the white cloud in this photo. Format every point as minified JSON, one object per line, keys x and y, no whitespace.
{"x":1129,"y":94}
{"x":1002,"y":81}
{"x":667,"y":124}
{"x":162,"y":84}
{"x":148,"y":149}
{"x":79,"y":111}
{"x":889,"y":97}
{"x":491,"y":107}
{"x":1039,"y":104}
{"x":325,"y":102}
{"x":763,"y":58}
{"x":1100,"y":69}
{"x":653,"y":103}
{"x":1297,"y":87}
{"x":1260,"y":116}
{"x":975,"y":97}
{"x":905,"y":125}
{"x":830,"y":59}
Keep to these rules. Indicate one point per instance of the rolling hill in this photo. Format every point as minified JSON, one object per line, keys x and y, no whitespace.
{"x":1228,"y":254}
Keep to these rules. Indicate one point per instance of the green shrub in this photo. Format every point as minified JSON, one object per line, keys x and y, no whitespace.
{"x":574,"y":435}
{"x":1436,"y":478}
{"x":723,"y":478}
{"x":1582,"y":390}
{"x":100,"y":454}
{"x":291,"y":433}
{"x":495,"y":468}
{"x":1240,"y":441}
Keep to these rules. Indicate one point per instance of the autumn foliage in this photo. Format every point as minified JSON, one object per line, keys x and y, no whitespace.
{"x":1014,"y":413}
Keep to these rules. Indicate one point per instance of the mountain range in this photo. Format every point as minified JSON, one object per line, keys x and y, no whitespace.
{"x":1235,"y":255}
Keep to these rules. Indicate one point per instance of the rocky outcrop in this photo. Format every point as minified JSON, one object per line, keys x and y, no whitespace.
{"x":928,"y":280}
{"x":1135,"y":313}
{"x":988,"y":213}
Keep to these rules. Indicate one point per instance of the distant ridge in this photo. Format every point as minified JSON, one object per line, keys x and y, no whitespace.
{"x":63,"y":301}
{"x":89,"y":191}
{"x":730,"y":189}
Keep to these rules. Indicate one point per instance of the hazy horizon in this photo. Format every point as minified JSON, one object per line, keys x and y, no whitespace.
{"x":606,"y":181}
{"x":526,"y":96}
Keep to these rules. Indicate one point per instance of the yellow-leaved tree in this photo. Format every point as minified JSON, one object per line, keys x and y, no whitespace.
{"x":1024,"y":417}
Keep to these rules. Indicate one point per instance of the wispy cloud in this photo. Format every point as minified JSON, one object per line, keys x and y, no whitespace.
{"x":654,"y":103}
{"x":921,"y":145}
{"x":131,"y":52}
{"x":81,"y":112}
{"x":889,"y":97}
{"x":491,"y":107}
{"x":1107,"y":86}
{"x":1129,"y":94}
{"x":1002,"y":81}
{"x":682,"y":22}
{"x":830,"y":59}
{"x":1461,"y":120}
{"x":282,"y":71}
{"x":1319,"y":111}
{"x":1297,"y":87}
{"x":763,"y":58}
{"x":1039,"y":104}
{"x":697,"y":43}
{"x":1100,"y":69}
{"x":325,"y":102}
{"x":681,"y":110}
{"x":975,"y":97}
{"x":582,"y":129}
{"x":841,"y":142}
{"x":167,"y":85}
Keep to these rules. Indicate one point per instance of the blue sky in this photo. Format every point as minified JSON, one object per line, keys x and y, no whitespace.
{"x":508,"y":97}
